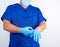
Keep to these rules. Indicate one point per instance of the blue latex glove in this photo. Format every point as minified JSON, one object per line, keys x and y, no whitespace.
{"x":36,"y":35}
{"x":27,"y":31}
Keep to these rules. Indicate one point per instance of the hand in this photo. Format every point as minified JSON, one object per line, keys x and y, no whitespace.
{"x":36,"y":35}
{"x":27,"y":31}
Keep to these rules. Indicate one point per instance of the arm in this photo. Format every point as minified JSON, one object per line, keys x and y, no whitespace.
{"x":41,"y":26}
{"x":10,"y":27}
{"x":37,"y":35}
{"x":14,"y":29}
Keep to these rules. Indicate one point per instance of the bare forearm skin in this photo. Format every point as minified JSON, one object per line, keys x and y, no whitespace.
{"x":41,"y":27}
{"x":10,"y":27}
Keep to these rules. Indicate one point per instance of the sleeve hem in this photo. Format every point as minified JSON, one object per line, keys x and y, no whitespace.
{"x":43,"y":20}
{"x":5,"y":19}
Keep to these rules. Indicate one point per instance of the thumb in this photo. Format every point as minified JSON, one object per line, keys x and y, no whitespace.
{"x":31,"y":35}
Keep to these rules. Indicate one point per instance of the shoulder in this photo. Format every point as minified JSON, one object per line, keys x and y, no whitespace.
{"x":12,"y":6}
{"x":35,"y":8}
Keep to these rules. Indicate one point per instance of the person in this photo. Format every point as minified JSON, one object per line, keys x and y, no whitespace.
{"x":25,"y":24}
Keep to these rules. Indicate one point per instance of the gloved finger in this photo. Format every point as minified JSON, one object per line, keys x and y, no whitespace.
{"x":40,"y":36}
{"x":30,"y":28}
{"x":31,"y":35}
{"x":36,"y":37}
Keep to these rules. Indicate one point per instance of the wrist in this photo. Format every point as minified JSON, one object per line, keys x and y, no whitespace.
{"x":38,"y":29}
{"x":20,"y":30}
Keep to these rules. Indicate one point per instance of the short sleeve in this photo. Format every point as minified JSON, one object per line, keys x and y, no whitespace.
{"x":40,"y":17}
{"x":7,"y":14}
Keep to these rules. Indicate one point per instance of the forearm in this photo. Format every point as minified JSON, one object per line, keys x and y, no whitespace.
{"x":41,"y":26}
{"x":10,"y":27}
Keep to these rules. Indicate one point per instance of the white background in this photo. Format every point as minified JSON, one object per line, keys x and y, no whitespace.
{"x":50,"y":10}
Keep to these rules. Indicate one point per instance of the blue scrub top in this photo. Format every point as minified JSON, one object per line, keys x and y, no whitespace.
{"x":21,"y":17}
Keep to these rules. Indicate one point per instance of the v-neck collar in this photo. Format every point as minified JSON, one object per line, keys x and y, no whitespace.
{"x":23,"y":7}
